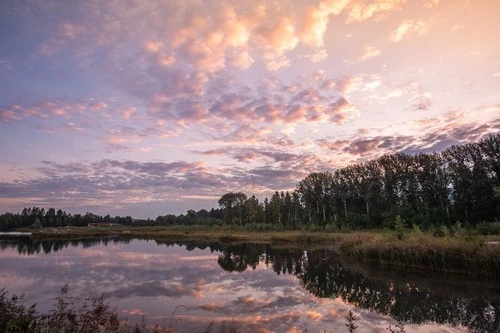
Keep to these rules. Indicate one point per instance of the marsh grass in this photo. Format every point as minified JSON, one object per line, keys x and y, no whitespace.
{"x":456,"y":252}
{"x":251,"y":233}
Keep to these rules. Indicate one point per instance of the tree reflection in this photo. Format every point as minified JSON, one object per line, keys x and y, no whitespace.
{"x":323,"y":275}
{"x":32,"y":246}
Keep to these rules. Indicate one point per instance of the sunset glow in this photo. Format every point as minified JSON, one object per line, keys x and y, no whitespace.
{"x":142,"y":108}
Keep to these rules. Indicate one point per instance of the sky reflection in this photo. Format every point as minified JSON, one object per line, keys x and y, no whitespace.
{"x":187,"y":289}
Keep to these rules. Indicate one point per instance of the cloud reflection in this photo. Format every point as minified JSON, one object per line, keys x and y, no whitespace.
{"x":277,"y":289}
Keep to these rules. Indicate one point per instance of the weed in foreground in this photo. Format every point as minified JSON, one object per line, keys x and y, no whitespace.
{"x":350,"y":319}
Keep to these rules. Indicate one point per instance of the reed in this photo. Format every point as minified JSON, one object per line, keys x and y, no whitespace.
{"x":417,"y":250}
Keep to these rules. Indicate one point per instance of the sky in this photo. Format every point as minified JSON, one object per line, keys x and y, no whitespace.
{"x":143,"y":108}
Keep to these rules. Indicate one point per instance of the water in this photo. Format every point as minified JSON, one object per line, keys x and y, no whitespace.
{"x":187,"y":286}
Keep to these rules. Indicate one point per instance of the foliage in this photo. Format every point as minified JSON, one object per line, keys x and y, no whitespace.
{"x":488,"y":228}
{"x":262,"y":227}
{"x":400,"y":228}
{"x":398,"y":328}
{"x":70,"y":314}
{"x":350,"y":319}
{"x":75,"y":314}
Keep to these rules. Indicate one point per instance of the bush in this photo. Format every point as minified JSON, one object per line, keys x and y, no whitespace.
{"x":312,"y":227}
{"x":70,"y":314}
{"x":262,"y":227}
{"x":441,"y":232}
{"x":400,"y":229}
{"x":488,"y":228}
{"x":331,"y":228}
{"x":357,"y":221}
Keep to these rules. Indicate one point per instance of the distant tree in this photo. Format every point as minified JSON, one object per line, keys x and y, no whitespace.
{"x":231,"y":201}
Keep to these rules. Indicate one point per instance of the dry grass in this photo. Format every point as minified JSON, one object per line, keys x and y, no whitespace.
{"x":193,"y":233}
{"x":416,"y":250}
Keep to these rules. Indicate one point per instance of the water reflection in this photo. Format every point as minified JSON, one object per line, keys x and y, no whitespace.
{"x":441,"y":299}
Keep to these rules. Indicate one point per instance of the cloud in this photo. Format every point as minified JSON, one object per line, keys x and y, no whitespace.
{"x":10,"y":113}
{"x":431,"y":3}
{"x":406,"y":28}
{"x":428,"y":135}
{"x":317,"y":56}
{"x":112,"y":184}
{"x":359,"y":83}
{"x":255,"y":86}
{"x":361,"y":10}
{"x":316,"y":19}
{"x":69,"y":127}
{"x":413,"y":93}
{"x":369,"y":52}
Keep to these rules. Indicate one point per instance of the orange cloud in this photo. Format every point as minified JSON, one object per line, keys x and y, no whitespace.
{"x":406,"y":28}
{"x":316,"y":19}
{"x":317,"y":56}
{"x":153,"y":46}
{"x":281,"y":37}
{"x":314,"y":315}
{"x":362,"y":11}
{"x":242,"y":60}
{"x":129,"y":112}
{"x":369,"y":52}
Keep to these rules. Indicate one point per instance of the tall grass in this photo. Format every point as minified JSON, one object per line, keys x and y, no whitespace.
{"x":443,"y":251}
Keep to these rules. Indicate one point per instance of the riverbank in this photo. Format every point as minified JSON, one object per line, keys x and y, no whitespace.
{"x":461,"y":253}
{"x":189,"y":233}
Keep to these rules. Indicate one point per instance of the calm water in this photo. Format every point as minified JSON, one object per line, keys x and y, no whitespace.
{"x":187,"y":286}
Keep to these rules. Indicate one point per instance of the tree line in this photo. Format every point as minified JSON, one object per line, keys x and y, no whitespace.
{"x":36,"y":217}
{"x":460,"y":184}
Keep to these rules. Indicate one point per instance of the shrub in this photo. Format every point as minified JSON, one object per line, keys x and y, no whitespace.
{"x":312,"y":227}
{"x":262,"y":227}
{"x":400,"y":229}
{"x":331,"y":228}
{"x":488,"y":228}
{"x":357,"y":221}
{"x":70,"y":314}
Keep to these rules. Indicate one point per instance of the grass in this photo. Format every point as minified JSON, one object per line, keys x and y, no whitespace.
{"x":464,"y":254}
{"x":223,"y":234}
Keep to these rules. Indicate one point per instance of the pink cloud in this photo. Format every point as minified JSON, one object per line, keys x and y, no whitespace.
{"x":9,"y":114}
{"x":369,"y":52}
{"x":129,"y":112}
{"x":406,"y":28}
{"x":316,"y":21}
{"x":361,"y":11}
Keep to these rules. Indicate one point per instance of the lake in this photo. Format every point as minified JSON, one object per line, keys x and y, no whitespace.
{"x":254,"y":287}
